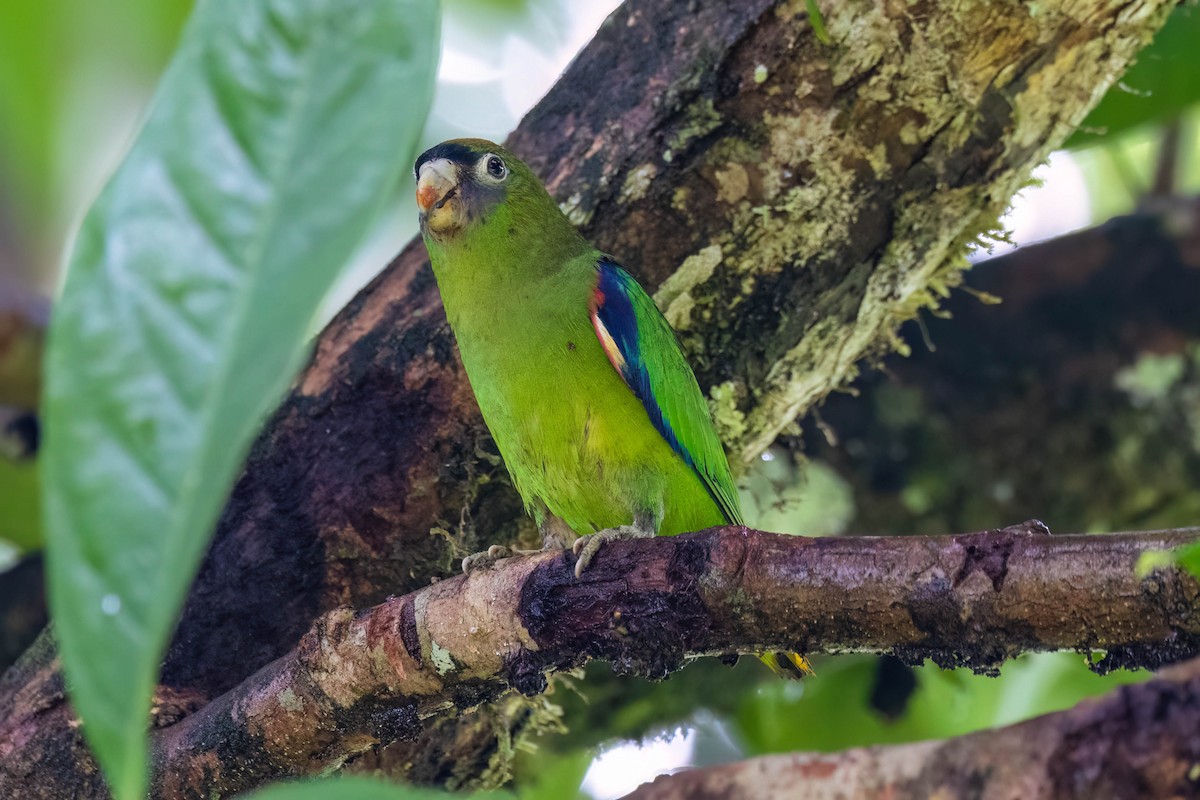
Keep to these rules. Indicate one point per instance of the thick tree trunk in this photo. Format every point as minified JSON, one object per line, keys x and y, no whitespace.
{"x":790,"y":201}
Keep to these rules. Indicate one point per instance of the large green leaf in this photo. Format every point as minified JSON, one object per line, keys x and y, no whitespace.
{"x":1161,"y":85}
{"x":275,"y":133}
{"x":358,"y":789}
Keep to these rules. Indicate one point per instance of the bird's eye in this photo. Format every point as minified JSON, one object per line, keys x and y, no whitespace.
{"x":495,"y":167}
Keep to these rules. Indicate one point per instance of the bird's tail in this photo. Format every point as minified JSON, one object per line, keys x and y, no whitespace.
{"x":787,"y":665}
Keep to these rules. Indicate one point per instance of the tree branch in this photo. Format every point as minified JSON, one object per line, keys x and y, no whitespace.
{"x":790,"y":201}
{"x":357,"y":680}
{"x":1137,"y":741}
{"x":789,"y":223}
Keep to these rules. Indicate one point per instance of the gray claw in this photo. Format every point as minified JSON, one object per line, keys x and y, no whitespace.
{"x":486,"y":558}
{"x":586,"y":547}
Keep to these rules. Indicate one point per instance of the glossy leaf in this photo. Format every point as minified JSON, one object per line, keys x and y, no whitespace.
{"x":276,"y":131}
{"x":1161,"y":85}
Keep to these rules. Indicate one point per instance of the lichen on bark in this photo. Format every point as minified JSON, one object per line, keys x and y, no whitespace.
{"x":852,"y":178}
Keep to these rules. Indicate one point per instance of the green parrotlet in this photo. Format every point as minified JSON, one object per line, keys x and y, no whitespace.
{"x":580,"y":378}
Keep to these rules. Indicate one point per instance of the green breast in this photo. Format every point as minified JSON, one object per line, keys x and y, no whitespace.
{"x":572,"y":434}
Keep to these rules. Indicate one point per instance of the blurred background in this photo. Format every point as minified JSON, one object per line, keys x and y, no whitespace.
{"x":1084,"y":383}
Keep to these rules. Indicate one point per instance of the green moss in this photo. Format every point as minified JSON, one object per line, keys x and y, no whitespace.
{"x":289,"y":701}
{"x":728,"y":418}
{"x":740,"y":603}
{"x":702,"y":118}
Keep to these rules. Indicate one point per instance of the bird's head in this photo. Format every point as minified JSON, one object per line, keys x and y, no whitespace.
{"x":462,"y":181}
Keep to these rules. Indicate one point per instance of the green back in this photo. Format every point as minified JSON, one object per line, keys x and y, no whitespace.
{"x":652,"y":364}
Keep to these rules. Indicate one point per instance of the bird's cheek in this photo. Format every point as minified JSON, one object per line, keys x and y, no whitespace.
{"x":447,"y":219}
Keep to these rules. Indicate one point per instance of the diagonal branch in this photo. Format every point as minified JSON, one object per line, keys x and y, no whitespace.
{"x":1137,"y":741}
{"x":357,"y":680}
{"x":790,"y":201}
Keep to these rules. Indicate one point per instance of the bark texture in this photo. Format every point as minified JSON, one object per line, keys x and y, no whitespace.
{"x":359,"y":680}
{"x":790,"y":202}
{"x":1137,"y":742}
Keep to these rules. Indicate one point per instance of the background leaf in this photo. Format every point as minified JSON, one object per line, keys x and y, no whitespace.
{"x":20,"y":513}
{"x":357,"y":789}
{"x":1187,"y":557}
{"x":551,"y":776}
{"x":67,"y":65}
{"x":1161,"y":85}
{"x":276,"y":131}
{"x":834,"y":710}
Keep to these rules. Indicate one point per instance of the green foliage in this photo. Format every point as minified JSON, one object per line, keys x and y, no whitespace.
{"x":832,"y":711}
{"x":548,"y":776}
{"x":357,"y":789}
{"x":20,"y":512}
{"x":777,"y":495}
{"x":817,"y":21}
{"x":1187,"y":557}
{"x":603,"y":705}
{"x":55,"y":58}
{"x":1160,"y":86}
{"x":275,"y":133}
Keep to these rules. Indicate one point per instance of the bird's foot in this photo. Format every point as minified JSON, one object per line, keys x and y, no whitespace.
{"x":490,"y":556}
{"x":556,"y":534}
{"x":586,"y":547}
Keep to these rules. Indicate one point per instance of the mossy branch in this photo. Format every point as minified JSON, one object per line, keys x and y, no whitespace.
{"x":358,"y":680}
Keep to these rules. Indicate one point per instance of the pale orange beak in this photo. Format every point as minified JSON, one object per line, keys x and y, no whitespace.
{"x":442,"y":210}
{"x":436,"y":185}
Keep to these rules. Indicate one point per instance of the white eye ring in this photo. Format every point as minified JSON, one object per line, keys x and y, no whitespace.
{"x":492,"y":168}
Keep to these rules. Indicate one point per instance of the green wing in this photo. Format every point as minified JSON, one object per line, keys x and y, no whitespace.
{"x":642,"y":347}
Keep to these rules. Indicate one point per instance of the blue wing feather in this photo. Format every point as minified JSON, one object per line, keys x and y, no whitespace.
{"x":620,"y":320}
{"x":661,"y":379}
